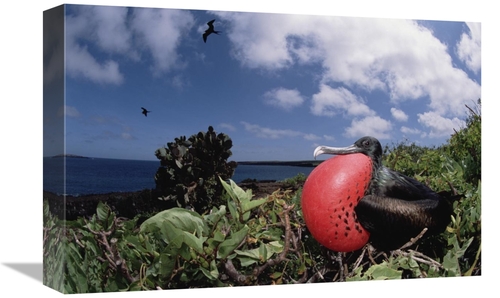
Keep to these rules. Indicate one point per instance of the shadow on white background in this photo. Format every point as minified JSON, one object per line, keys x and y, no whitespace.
{"x":33,"y":270}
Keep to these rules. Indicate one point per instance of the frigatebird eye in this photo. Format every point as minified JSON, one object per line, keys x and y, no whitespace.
{"x":366,"y":143}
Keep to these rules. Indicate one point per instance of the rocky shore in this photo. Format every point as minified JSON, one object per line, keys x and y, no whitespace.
{"x":130,"y":204}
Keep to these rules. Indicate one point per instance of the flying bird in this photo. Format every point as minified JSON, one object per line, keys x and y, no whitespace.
{"x":395,"y":207}
{"x":145,"y":112}
{"x":210,"y":30}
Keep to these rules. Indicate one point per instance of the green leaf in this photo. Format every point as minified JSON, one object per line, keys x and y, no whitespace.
{"x":254,"y":254}
{"x":180,"y":218}
{"x":233,"y":211}
{"x":216,"y":215}
{"x":275,"y":247}
{"x":207,"y":273}
{"x":161,"y":152}
{"x":177,"y":237}
{"x":235,"y":192}
{"x":460,"y":251}
{"x":246,"y":261}
{"x":358,"y":275}
{"x":218,"y":236}
{"x":216,"y":240}
{"x":232,"y":242}
{"x":178,"y":163}
{"x":102,"y":211}
{"x":249,"y":205}
{"x":382,"y":272}
{"x":213,"y":274}
{"x":167,"y":263}
{"x":276,"y":275}
{"x":450,"y":264}
{"x":261,"y":254}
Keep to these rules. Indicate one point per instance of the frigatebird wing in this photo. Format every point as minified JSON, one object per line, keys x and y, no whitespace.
{"x":396,"y":185}
{"x":392,"y":222}
{"x":399,"y":208}
{"x":211,"y":24}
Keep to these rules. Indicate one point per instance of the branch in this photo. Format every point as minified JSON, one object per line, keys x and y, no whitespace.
{"x":78,"y":241}
{"x":413,"y":240}
{"x":360,"y":258}
{"x":285,"y":219}
{"x":453,"y":189}
{"x":241,"y":279}
{"x":318,"y":275}
{"x":295,"y":249}
{"x":471,"y":110}
{"x":419,"y":257}
{"x":112,"y":255}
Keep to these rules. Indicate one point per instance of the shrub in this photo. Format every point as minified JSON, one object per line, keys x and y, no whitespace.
{"x":189,"y":169}
{"x":465,"y":145}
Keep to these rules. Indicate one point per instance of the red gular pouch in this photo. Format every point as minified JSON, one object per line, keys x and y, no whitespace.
{"x":329,"y":196}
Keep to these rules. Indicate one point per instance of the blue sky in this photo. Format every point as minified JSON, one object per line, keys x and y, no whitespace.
{"x":278,"y":84}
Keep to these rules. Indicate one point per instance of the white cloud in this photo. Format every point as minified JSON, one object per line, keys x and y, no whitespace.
{"x":399,"y":115}
{"x":110,"y":32}
{"x":160,"y":32}
{"x":411,"y":131}
{"x":259,"y":40}
{"x":330,"y":101}
{"x":179,"y":81}
{"x":80,"y":63}
{"x":469,"y":47}
{"x":115,"y":31}
{"x":369,"y":126}
{"x":269,"y":133}
{"x":127,"y":136}
{"x":227,"y":126}
{"x":311,"y":137}
{"x":283,"y":98}
{"x":328,"y":138}
{"x":105,"y":27}
{"x":399,"y":57}
{"x":439,"y":126}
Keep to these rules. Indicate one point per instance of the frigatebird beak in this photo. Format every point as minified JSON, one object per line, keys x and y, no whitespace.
{"x":336,"y":150}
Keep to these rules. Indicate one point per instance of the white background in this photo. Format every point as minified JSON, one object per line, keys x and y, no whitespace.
{"x":21,"y":164}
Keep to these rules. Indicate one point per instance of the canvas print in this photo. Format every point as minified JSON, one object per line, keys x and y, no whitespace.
{"x":199,"y":149}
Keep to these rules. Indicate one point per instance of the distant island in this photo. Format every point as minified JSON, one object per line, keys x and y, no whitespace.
{"x":300,"y":163}
{"x":69,"y":155}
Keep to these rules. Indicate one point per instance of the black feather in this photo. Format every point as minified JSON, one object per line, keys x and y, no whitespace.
{"x":395,"y":207}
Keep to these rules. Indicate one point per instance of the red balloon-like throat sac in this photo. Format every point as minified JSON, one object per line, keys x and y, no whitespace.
{"x":329,"y":196}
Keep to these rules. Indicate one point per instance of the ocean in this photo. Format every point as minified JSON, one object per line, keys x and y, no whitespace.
{"x":102,"y":175}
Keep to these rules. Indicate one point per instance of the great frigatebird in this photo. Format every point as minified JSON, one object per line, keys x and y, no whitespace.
{"x":210,"y":30}
{"x":145,"y":112}
{"x":395,"y":207}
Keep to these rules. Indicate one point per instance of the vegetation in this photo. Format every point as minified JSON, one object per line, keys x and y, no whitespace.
{"x":237,"y":239}
{"x":190,"y":169}
{"x":294,"y":182}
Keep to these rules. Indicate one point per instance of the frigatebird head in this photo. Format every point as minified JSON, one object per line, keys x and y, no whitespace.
{"x":369,"y":146}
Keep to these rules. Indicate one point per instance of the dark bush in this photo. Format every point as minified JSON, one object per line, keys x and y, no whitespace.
{"x":190,"y":169}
